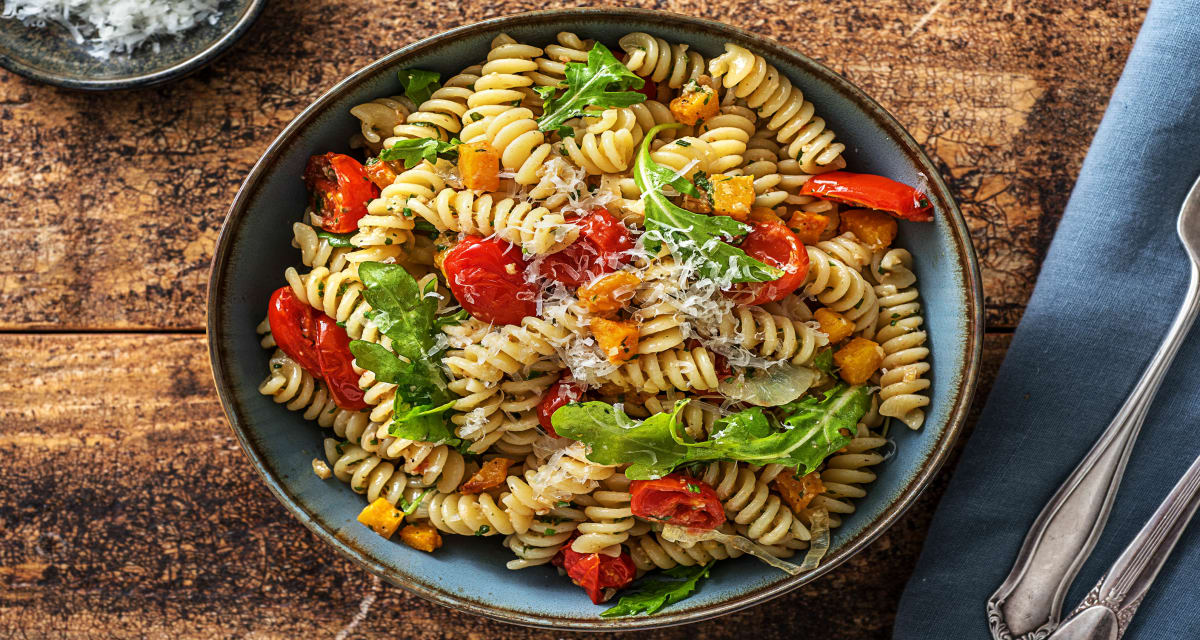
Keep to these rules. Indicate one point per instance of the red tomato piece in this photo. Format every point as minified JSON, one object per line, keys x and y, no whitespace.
{"x":650,"y":89}
{"x":774,"y":244}
{"x":339,"y":191}
{"x":487,"y":278}
{"x":871,"y":192}
{"x":294,"y":326}
{"x":563,"y":392}
{"x":603,"y":241}
{"x":333,"y":353}
{"x":317,"y":343}
{"x":596,"y":572}
{"x":677,"y":499}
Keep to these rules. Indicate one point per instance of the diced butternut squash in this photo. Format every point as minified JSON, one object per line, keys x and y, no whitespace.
{"x":382,"y":516}
{"x":618,"y":339}
{"x":608,"y":293}
{"x":875,"y":229}
{"x":834,"y":325}
{"x":383,"y":174}
{"x":808,"y":226}
{"x":491,"y":474}
{"x":763,"y":214}
{"x":798,"y":492}
{"x":479,"y":166}
{"x":858,"y":360}
{"x":422,"y":537}
{"x":698,"y":102}
{"x":732,"y":196}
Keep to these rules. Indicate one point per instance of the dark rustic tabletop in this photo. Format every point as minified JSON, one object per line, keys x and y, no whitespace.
{"x":126,"y":507}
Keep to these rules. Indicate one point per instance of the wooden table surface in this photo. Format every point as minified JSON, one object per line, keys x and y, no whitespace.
{"x":126,"y":507}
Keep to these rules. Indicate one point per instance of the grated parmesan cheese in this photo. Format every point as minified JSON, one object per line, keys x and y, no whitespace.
{"x":115,"y":26}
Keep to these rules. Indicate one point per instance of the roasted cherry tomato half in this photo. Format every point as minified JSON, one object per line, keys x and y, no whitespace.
{"x":596,"y":572}
{"x":772,"y":243}
{"x":487,"y":277}
{"x":601,"y":248}
{"x":650,"y":89}
{"x":871,"y":192}
{"x":677,"y":499}
{"x":333,"y":352}
{"x":316,"y":343}
{"x":563,"y":392}
{"x":339,"y":191}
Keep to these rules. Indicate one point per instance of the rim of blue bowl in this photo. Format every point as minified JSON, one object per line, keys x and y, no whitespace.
{"x":183,"y":68}
{"x":938,"y":191}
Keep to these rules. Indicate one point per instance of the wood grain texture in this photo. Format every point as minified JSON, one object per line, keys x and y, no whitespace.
{"x":127,"y":510}
{"x":112,"y":203}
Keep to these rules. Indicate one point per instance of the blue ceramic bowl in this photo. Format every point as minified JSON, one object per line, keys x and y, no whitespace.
{"x":469,"y":574}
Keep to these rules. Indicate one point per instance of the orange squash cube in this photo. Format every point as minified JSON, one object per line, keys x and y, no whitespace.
{"x":808,"y":226}
{"x":834,"y":325}
{"x":618,"y":339}
{"x":493,"y":473}
{"x":479,"y":166}
{"x":858,"y":360}
{"x":798,"y":492}
{"x":608,"y":293}
{"x":763,"y":214}
{"x":422,"y":537}
{"x":732,"y":196}
{"x":698,"y":102}
{"x":875,"y":229}
{"x":382,"y":173}
{"x":382,"y":516}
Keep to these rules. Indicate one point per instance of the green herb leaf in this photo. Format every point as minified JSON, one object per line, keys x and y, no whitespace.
{"x":451,"y":319}
{"x":423,"y":226}
{"x":697,"y":239}
{"x":410,"y":508}
{"x":566,"y":131}
{"x":419,"y":85}
{"x":812,"y":430}
{"x":655,"y":593}
{"x":337,"y":240}
{"x":823,"y":361}
{"x":703,"y":183}
{"x":413,"y":150}
{"x":482,"y":530}
{"x":603,"y":82}
{"x":405,"y":313}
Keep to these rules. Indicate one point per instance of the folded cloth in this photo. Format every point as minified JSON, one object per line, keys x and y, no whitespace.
{"x":1110,"y":286}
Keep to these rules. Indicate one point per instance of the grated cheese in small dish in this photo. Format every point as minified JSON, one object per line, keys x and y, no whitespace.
{"x":115,"y":26}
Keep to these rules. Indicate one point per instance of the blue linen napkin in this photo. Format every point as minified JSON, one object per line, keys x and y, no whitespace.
{"x":1110,"y":286}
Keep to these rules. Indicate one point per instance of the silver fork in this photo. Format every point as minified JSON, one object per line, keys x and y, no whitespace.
{"x":1028,"y":605}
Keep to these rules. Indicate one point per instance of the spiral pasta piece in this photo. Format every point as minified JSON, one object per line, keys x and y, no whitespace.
{"x":842,"y":288}
{"x":845,"y":472}
{"x":773,"y":96}
{"x":552,"y":66}
{"x":680,"y":368}
{"x":365,"y":472}
{"x":697,"y":416}
{"x":546,"y":535}
{"x":537,"y":229}
{"x":474,"y":514}
{"x":762,"y":516}
{"x":505,"y":350}
{"x":771,"y":336}
{"x":566,"y":474}
{"x":379,"y":119}
{"x":902,"y":382}
{"x":337,"y":294}
{"x":727,"y":134}
{"x":660,"y":61}
{"x":760,"y":161}
{"x":316,"y":251}
{"x":847,"y":249}
{"x":609,"y":517}
{"x":651,"y":551}
{"x":605,"y":143}
{"x":441,"y":115}
{"x":660,"y":327}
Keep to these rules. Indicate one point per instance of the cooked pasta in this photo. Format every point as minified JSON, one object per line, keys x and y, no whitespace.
{"x":520,"y":311}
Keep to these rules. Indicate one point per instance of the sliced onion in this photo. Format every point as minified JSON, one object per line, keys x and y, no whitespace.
{"x":771,"y":387}
{"x":819,"y":544}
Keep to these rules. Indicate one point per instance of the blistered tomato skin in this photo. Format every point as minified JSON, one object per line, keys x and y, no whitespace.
{"x":677,"y":499}
{"x":872,"y":192}
{"x":561,"y":393}
{"x":316,"y":343}
{"x":337,"y":370}
{"x":601,"y":247}
{"x":339,"y":190}
{"x":774,"y":244}
{"x":487,"y":277}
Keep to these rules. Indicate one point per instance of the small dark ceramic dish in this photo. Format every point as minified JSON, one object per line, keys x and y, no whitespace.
{"x":468,"y":574}
{"x":49,"y":54}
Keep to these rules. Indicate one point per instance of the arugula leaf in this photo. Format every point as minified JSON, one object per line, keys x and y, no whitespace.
{"x":413,"y":150}
{"x":410,"y":508}
{"x":695,"y":238}
{"x":423,"y":226}
{"x":603,"y":82}
{"x":337,"y":240}
{"x":654,"y":594}
{"x":812,"y":430}
{"x":451,"y":319}
{"x":419,"y":85}
{"x":823,"y":361}
{"x":406,"y":314}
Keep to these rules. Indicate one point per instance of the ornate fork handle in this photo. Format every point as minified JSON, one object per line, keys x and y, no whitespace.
{"x":1028,"y":605}
{"x":1108,"y":608}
